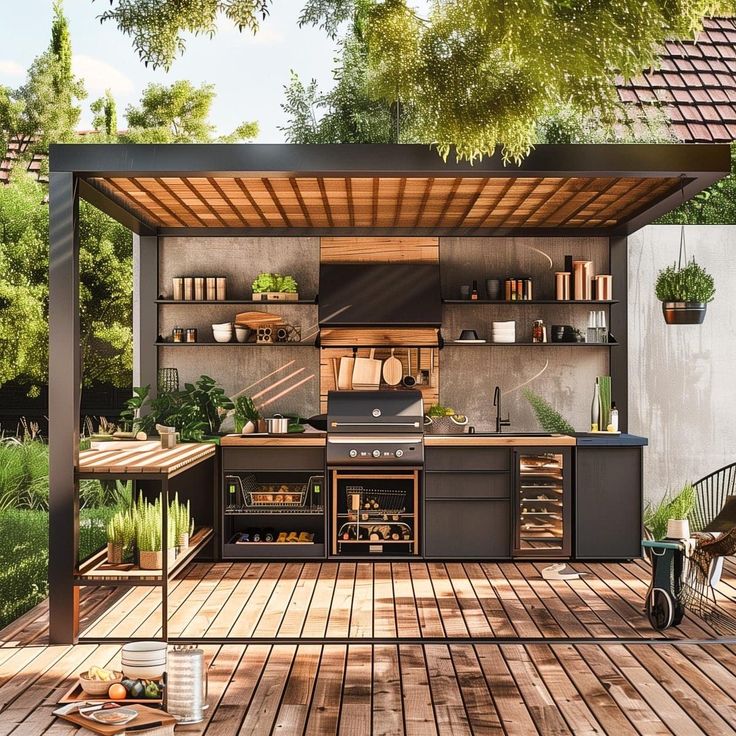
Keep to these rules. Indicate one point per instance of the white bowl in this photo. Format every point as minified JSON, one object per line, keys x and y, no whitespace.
{"x":136,"y":672}
{"x":242,"y":334}
{"x":155,"y":649}
{"x":144,"y":659}
{"x":223,"y":326}
{"x":222,"y":336}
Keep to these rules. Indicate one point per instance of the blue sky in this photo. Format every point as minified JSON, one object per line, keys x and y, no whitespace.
{"x":249,"y":72}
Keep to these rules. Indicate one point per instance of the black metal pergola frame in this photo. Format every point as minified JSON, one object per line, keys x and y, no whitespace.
{"x":73,"y":167}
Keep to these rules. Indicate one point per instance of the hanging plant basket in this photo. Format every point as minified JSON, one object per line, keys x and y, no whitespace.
{"x":684,"y":313}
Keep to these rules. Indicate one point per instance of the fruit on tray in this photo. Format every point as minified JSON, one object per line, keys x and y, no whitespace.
{"x":140,"y":689}
{"x":100,"y":673}
{"x":153,"y":690}
{"x":117,"y":692}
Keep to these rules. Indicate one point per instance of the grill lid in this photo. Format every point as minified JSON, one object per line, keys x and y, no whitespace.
{"x":367,"y":412}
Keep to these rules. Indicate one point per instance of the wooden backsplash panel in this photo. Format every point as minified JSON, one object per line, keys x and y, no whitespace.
{"x":367,"y":336}
{"x":430,"y":393}
{"x":380,"y":250}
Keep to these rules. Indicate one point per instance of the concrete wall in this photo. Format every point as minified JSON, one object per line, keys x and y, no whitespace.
{"x":565,"y":376}
{"x":682,"y":388}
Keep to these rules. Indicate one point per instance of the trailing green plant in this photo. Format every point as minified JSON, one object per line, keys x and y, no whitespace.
{"x":689,"y":284}
{"x":245,"y":411}
{"x":678,"y":506}
{"x":274,"y":282}
{"x":550,"y":420}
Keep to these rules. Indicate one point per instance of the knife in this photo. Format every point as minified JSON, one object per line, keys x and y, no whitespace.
{"x":144,"y":726}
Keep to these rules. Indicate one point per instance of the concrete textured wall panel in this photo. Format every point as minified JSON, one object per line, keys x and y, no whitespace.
{"x":682,"y":388}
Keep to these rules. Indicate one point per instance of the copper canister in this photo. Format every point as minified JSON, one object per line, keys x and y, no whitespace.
{"x":188,"y":289}
{"x":583,"y":280}
{"x":211,"y":289}
{"x":604,"y":287}
{"x":199,"y":289}
{"x":562,"y":285}
{"x":221,"y":289}
{"x":178,"y":288}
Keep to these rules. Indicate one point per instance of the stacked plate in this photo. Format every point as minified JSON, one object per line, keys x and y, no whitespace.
{"x":503,"y":331}
{"x":144,"y":660}
{"x":223,"y":332}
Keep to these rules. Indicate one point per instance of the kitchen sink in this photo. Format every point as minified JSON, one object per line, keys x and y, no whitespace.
{"x":512,"y":434}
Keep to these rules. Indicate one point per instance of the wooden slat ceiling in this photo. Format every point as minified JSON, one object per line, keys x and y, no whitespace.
{"x":386,"y":202}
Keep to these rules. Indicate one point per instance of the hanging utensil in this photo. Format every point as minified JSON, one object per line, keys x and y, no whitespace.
{"x":345,"y":375}
{"x":367,"y":372}
{"x":392,"y":370}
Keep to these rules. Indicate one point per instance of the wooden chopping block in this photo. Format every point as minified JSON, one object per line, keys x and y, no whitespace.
{"x":254,"y":320}
{"x":345,"y":374}
{"x":367,"y":372}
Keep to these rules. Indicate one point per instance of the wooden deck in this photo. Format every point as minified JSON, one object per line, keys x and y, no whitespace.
{"x":322,"y":689}
{"x":402,"y":649}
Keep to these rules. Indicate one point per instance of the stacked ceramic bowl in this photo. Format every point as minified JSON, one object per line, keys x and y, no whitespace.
{"x":503,"y":332}
{"x":223,"y":332}
{"x":144,"y":660}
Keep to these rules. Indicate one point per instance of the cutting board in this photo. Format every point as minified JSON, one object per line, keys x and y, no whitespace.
{"x":345,"y":374}
{"x":145,"y":716}
{"x":392,"y":370}
{"x":367,"y":372}
{"x":254,"y":320}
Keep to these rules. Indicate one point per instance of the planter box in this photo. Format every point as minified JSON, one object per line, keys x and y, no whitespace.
{"x":275,"y":296}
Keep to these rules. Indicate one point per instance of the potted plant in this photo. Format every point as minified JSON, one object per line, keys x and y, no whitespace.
{"x":120,"y":536}
{"x":684,"y":293}
{"x":181,"y":514}
{"x":149,"y":538}
{"x":246,"y":416}
{"x":275,"y":287}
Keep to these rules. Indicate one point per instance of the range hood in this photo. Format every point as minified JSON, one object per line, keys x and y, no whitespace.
{"x":380,"y":295}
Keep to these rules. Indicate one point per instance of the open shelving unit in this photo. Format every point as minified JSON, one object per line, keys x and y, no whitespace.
{"x":215,"y":302}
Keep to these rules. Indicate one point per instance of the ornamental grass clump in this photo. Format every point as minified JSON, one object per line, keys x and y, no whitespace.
{"x":550,"y":420}
{"x":679,"y":506}
{"x":689,"y":284}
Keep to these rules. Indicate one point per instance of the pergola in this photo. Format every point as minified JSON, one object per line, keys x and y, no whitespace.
{"x":335,"y":190}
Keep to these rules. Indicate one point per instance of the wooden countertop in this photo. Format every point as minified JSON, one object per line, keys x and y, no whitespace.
{"x":129,"y":458}
{"x":305,"y":439}
{"x":506,"y":440}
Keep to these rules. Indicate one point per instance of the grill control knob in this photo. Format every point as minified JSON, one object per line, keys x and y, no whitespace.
{"x":399,"y":453}
{"x":376,"y":453}
{"x":353,"y":453}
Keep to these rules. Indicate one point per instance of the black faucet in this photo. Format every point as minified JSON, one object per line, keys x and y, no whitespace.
{"x":500,"y":423}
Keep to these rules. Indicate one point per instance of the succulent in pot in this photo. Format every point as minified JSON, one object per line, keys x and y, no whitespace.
{"x":120,"y":536}
{"x":685,"y":293}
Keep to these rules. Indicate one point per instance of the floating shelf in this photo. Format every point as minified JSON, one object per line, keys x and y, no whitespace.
{"x":234,"y":345}
{"x":272,"y":303}
{"x":531,"y":344}
{"x":532,"y":302}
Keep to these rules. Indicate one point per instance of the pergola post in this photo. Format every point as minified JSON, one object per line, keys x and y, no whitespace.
{"x":64,"y":406}
{"x":619,"y":362}
{"x":145,"y":322}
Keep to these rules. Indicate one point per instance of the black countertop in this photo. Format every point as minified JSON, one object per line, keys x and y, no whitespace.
{"x":585,"y":439}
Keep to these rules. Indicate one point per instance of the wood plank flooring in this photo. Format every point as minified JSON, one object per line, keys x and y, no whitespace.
{"x":379,"y":601}
{"x":416,"y":689}
{"x":356,"y":649}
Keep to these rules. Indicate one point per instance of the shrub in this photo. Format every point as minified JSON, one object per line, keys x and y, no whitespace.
{"x":669,"y":507}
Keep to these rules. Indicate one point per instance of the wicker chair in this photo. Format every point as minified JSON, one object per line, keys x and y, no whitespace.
{"x":711,"y":493}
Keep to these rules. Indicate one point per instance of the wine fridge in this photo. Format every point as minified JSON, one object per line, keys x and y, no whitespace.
{"x":543,"y":514}
{"x":375,"y":512}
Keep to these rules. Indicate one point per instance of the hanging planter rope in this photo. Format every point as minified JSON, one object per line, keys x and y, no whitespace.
{"x":684,"y":290}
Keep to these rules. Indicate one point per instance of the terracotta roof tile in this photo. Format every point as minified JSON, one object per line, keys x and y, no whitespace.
{"x":695,"y":84}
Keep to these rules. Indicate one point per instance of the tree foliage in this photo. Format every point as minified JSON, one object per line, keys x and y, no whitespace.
{"x":105,"y":289}
{"x":178,"y":113}
{"x":105,"y":116}
{"x":157,"y":27}
{"x":349,"y":112}
{"x":45,"y":108}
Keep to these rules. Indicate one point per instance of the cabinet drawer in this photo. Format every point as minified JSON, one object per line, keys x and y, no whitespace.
{"x":466,"y":458}
{"x":467,"y":529}
{"x":467,"y":485}
{"x":273,"y":458}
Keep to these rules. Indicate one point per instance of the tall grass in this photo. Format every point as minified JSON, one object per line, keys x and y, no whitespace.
{"x":24,"y":474}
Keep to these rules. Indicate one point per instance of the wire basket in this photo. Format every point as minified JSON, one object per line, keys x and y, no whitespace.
{"x":277,"y":495}
{"x":376,"y":500}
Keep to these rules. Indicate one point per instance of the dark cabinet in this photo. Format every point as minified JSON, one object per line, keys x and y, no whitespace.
{"x":467,"y":492}
{"x":467,"y":528}
{"x":608,"y":502}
